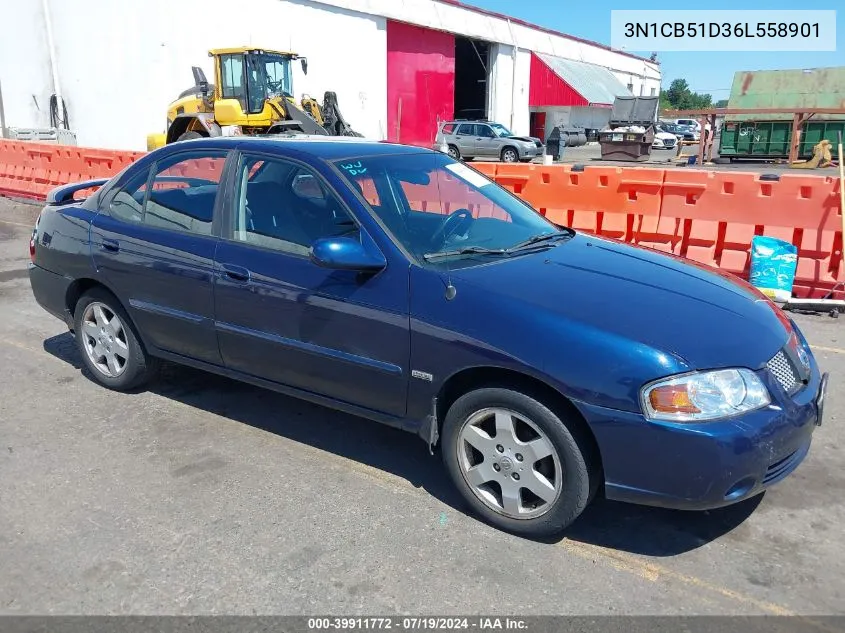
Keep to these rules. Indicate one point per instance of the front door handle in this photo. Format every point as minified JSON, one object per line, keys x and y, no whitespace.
{"x":235,"y":273}
{"x":112,"y":246}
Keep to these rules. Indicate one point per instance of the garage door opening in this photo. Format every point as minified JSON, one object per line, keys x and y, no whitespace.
{"x":472,"y":59}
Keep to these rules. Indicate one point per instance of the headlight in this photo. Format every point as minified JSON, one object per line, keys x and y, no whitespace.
{"x":704,"y":396}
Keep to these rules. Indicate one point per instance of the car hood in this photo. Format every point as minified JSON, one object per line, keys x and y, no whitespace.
{"x":526,"y":139}
{"x":701,"y":315}
{"x":664,"y":135}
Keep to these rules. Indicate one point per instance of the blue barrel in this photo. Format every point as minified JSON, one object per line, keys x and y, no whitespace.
{"x":773,"y":264}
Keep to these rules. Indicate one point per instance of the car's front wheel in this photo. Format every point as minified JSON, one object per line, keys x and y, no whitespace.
{"x":108,"y":344}
{"x":517,"y":462}
{"x":510,"y":155}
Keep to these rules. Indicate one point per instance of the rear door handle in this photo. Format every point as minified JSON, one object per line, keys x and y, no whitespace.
{"x":235,"y":273}
{"x":111,"y":246}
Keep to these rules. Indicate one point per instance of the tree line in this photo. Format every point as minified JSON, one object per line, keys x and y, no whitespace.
{"x":680,"y":97}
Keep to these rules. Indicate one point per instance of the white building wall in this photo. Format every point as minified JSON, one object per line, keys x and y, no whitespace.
{"x":508,"y":99}
{"x":121,"y":63}
{"x":465,"y":21}
{"x":24,"y":64}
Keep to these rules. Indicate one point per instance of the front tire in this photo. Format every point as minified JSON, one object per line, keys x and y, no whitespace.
{"x":187,"y":136}
{"x":517,"y":462}
{"x":108,"y":344}
{"x":510,"y":155}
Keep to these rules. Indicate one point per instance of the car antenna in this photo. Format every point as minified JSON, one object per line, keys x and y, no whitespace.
{"x":451,"y":291}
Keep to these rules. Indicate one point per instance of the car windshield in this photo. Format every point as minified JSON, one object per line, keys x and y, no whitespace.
{"x":439,"y":209}
{"x":500,"y":130}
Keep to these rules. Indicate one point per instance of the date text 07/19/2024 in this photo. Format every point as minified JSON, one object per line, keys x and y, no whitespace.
{"x":409,"y":623}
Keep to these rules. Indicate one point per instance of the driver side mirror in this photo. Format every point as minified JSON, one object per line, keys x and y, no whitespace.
{"x":304,"y":62}
{"x":345,"y":253}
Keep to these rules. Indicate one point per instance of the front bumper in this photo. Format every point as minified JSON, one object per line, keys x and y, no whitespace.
{"x":530,"y":152}
{"x":711,"y":464}
{"x":664,"y":143}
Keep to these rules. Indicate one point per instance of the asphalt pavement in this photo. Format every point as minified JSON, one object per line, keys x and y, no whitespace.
{"x":202,"y":495}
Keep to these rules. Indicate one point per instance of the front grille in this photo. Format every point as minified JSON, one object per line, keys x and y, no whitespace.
{"x":668,"y":142}
{"x":780,"y":468}
{"x":784,"y":372}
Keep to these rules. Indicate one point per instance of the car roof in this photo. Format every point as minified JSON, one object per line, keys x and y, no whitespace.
{"x":325,"y":147}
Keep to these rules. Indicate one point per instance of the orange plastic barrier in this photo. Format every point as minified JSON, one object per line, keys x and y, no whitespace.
{"x":711,"y":217}
{"x":31,"y":170}
{"x":613,"y":201}
{"x":707,"y":216}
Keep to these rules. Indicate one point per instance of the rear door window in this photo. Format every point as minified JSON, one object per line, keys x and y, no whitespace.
{"x":466,"y":129}
{"x":484,"y":131}
{"x":178,"y":193}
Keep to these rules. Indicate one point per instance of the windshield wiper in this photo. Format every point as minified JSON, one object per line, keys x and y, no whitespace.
{"x":469,"y":250}
{"x":541,"y":240}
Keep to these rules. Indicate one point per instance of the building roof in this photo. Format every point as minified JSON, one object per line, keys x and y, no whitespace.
{"x":530,"y":25}
{"x":595,"y":85}
{"x":788,"y":89}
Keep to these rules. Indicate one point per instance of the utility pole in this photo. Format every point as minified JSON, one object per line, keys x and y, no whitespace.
{"x":2,"y":115}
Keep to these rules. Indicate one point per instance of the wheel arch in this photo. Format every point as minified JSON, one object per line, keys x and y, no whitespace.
{"x":82,"y":285}
{"x":507,"y":147}
{"x":202,"y":123}
{"x":472,"y":378}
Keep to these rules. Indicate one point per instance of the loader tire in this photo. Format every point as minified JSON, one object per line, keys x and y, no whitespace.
{"x":189,"y":135}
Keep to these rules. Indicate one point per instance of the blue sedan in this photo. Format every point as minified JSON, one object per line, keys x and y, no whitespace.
{"x":395,"y":283}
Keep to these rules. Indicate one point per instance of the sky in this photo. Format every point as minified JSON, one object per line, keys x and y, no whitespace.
{"x":705,"y":72}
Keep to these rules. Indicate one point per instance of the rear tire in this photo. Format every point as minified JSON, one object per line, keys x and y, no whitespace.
{"x":187,"y":136}
{"x":454,"y":152}
{"x":109,"y":344}
{"x":490,"y":439}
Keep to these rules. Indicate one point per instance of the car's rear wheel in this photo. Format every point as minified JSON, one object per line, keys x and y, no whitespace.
{"x":510,"y":155}
{"x":516,"y":461}
{"x":108,"y":344}
{"x":454,"y":152}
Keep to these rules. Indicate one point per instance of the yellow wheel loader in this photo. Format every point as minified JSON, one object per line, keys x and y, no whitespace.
{"x":251,"y":95}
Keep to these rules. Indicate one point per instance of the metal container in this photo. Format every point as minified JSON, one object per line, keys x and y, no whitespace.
{"x":790,"y":90}
{"x":54,"y":135}
{"x":772,"y":139}
{"x":625,"y":145}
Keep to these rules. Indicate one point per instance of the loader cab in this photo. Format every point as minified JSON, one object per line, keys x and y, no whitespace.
{"x":247,"y":79}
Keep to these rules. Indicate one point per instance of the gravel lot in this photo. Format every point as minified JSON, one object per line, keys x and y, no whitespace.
{"x":203,"y":496}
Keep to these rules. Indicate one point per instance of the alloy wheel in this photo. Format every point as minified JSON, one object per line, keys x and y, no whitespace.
{"x":104,"y":338}
{"x":509,"y":463}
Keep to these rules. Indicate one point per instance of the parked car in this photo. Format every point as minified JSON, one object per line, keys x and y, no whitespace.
{"x":398,"y":284}
{"x":664,"y":139}
{"x":485,"y":139}
{"x":688,"y":133}
{"x":690,"y":123}
{"x":682,"y":132}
